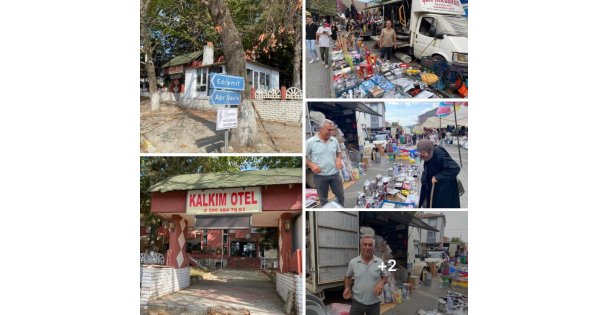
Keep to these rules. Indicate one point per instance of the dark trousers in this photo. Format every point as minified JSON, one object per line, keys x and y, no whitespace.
{"x":324,"y":182}
{"x":361,"y":309}
{"x":388,"y":51}
{"x":324,"y":54}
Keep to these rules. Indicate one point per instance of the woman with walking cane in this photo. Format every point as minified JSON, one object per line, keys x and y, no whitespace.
{"x":439,"y":183}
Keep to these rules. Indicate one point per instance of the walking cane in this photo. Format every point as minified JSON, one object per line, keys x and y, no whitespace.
{"x":432,"y":193}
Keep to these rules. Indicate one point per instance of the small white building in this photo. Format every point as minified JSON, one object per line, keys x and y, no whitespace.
{"x":431,"y":239}
{"x":377,"y":122}
{"x":190,"y":73}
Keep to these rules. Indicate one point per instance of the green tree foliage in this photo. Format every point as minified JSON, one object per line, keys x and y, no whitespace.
{"x":157,"y":168}
{"x":281,"y":35}
{"x":184,"y":26}
{"x":323,"y":7}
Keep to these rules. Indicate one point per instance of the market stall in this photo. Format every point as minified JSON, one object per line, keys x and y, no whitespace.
{"x":452,"y":117}
{"x":359,"y":73}
{"x":399,"y":187}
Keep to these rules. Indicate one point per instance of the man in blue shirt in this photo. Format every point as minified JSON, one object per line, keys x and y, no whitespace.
{"x":324,"y":158}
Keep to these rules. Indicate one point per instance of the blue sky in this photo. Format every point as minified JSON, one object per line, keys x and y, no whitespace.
{"x":407,"y":112}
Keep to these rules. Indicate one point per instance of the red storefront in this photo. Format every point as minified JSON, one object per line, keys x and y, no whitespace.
{"x":228,"y":218}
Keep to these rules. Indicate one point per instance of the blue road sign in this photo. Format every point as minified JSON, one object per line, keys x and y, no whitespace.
{"x":227,"y":82}
{"x":225,"y":98}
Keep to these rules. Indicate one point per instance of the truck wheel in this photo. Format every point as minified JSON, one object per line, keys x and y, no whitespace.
{"x":439,"y":58}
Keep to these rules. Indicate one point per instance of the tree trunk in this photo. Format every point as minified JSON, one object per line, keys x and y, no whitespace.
{"x":144,"y":6}
{"x":244,"y":135}
{"x":297,"y":60}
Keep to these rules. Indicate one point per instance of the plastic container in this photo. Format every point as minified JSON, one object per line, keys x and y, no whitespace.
{"x":428,"y":281}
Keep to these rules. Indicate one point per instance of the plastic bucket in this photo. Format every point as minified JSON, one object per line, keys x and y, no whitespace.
{"x":428,"y":281}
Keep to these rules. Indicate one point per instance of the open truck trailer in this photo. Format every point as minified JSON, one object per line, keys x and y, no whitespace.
{"x":332,"y":240}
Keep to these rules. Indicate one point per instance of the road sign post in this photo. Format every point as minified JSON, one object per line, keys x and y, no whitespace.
{"x":227,"y":118}
{"x":227,"y":82}
{"x":222,"y":86}
{"x":220,"y":97}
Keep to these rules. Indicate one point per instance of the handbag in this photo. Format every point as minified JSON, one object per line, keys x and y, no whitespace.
{"x":460,"y":187}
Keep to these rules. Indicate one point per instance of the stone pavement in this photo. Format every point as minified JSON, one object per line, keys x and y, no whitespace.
{"x":177,"y":130}
{"x":422,"y":298}
{"x":249,"y":289}
{"x":350,"y":193}
{"x":318,"y":78}
{"x":425,"y":298}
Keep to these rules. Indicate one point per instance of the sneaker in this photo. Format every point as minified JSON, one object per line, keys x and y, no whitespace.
{"x":318,"y":58}
{"x":312,"y":61}
{"x":326,"y":66}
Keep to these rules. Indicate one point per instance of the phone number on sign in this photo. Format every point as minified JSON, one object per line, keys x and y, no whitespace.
{"x":224,"y":210}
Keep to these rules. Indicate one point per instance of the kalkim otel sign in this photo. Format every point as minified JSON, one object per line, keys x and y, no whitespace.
{"x":224,"y":201}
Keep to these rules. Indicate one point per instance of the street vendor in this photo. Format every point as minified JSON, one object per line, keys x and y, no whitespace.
{"x":438,"y":180}
{"x":324,"y":158}
{"x":388,"y":41}
{"x":369,"y":280}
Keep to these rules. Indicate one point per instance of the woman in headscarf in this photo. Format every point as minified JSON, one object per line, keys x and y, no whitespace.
{"x":438,"y":180}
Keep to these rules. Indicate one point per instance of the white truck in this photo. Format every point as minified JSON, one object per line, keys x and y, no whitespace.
{"x":436,"y":28}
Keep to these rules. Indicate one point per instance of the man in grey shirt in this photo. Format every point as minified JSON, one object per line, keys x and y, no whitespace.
{"x":324,"y":158}
{"x":369,"y":280}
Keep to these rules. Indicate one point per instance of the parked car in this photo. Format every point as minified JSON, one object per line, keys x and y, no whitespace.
{"x":436,"y":256}
{"x":381,"y":138}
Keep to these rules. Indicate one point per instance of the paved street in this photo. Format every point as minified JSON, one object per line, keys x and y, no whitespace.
{"x":318,"y":78}
{"x":422,"y":298}
{"x":425,"y":298}
{"x":350,"y":194}
{"x":245,"y":289}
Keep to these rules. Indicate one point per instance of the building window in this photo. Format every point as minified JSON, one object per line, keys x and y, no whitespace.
{"x":258,"y":80}
{"x":427,"y":27}
{"x":225,"y":236}
{"x":202,"y":78}
{"x":250,"y":78}
{"x":433,"y":223}
{"x":263,"y":85}
{"x":204,"y":237}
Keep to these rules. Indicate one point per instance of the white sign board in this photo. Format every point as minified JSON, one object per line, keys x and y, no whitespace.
{"x":227,"y":118}
{"x":442,"y":6}
{"x":224,"y":201}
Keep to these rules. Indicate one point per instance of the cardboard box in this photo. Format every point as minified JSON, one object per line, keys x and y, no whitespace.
{"x":433,"y":269}
{"x":413,"y":281}
{"x":380,"y":148}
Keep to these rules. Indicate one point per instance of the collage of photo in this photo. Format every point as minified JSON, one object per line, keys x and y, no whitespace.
{"x":304,"y":157}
